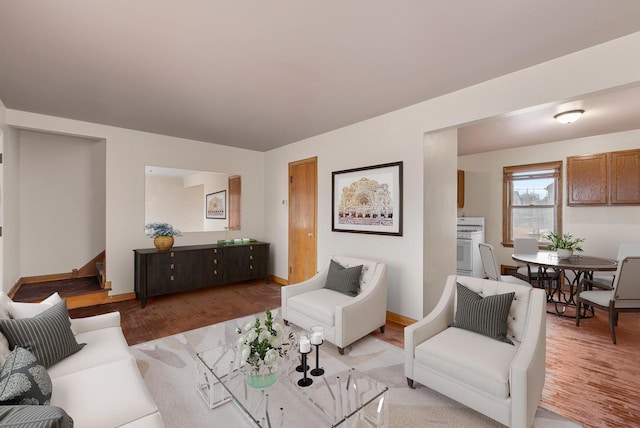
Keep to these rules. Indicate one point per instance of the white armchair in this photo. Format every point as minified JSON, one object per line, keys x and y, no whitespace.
{"x":500,"y":380}
{"x":345,"y":318}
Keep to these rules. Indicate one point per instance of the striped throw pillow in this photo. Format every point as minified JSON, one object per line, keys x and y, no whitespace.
{"x":34,"y":417}
{"x":487,"y":316}
{"x":47,"y":335}
{"x":344,"y":280}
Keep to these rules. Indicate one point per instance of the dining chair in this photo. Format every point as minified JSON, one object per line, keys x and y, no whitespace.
{"x":624,"y":250}
{"x":624,"y":296}
{"x":491,"y":269}
{"x":537,"y":277}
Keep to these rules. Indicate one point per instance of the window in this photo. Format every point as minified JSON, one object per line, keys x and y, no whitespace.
{"x":532,"y":201}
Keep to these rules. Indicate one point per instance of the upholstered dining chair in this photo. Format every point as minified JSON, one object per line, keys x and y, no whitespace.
{"x":491,"y":269}
{"x":624,"y":296}
{"x":537,"y":278}
{"x":626,"y":249}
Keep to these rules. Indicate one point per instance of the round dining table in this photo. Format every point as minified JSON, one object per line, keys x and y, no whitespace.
{"x":580,"y":266}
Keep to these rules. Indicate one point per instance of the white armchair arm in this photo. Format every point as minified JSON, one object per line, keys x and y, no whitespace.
{"x":437,"y":321}
{"x":365,"y":312}
{"x":97,"y":322}
{"x":527,"y":371}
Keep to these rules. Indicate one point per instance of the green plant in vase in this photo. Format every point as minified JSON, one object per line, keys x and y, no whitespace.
{"x":564,"y":244}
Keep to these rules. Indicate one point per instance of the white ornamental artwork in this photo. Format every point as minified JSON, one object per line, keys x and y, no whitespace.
{"x":366,"y":202}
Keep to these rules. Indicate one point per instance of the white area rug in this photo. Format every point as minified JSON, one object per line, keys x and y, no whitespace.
{"x":169,"y":369}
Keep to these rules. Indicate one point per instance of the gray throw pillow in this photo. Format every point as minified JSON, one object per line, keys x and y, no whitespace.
{"x":34,"y":417}
{"x":344,"y":280}
{"x":48,"y":335}
{"x":24,"y":380}
{"x":487,"y":316}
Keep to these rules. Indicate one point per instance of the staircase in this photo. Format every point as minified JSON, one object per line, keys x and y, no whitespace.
{"x":82,"y":287}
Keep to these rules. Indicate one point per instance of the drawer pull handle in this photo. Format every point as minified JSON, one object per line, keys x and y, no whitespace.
{"x":172,"y":254}
{"x":171,"y":277}
{"x":172,"y":266}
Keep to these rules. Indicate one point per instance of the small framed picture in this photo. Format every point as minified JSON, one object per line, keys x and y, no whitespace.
{"x":216,"y":205}
{"x":368,"y":200}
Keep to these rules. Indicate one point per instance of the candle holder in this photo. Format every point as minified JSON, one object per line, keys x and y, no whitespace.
{"x":317,"y":339}
{"x":301,"y":336}
{"x":305,"y":381}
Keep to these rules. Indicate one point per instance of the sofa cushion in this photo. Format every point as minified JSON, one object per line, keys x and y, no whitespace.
{"x":24,"y":380}
{"x":486,"y":315}
{"x":34,"y":416}
{"x":102,"y":346}
{"x":106,"y":396}
{"x":48,"y":335}
{"x":368,"y":268}
{"x":519,"y":311}
{"x":21,"y":310}
{"x":4,"y":314}
{"x":343,"y":280}
{"x":319,"y":305}
{"x":486,"y":368}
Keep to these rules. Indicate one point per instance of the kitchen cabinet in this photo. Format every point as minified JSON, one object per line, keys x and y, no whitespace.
{"x":587,"y":180}
{"x":460,"y":188}
{"x":191,"y":267}
{"x":625,"y":177}
{"x":604,"y":179}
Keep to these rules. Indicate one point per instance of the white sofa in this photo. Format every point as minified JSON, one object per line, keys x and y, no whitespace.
{"x":100,"y":385}
{"x":345,"y":318}
{"x":500,"y":380}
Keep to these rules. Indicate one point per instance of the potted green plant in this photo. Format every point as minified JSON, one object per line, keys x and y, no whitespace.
{"x":162,"y":234}
{"x":564,"y":244}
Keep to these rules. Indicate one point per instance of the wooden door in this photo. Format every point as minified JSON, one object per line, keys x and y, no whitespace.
{"x":303,"y":201}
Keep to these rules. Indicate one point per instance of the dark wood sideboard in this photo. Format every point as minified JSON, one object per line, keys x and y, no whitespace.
{"x":197,"y":266}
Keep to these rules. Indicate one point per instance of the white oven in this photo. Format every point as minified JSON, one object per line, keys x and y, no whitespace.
{"x":470,"y":234}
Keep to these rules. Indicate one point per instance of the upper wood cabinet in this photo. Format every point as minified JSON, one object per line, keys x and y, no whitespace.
{"x":587,"y":180}
{"x":625,"y":177}
{"x":604,"y":179}
{"x":460,"y":188}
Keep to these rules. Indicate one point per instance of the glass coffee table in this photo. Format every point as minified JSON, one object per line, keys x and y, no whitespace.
{"x":347,"y":398}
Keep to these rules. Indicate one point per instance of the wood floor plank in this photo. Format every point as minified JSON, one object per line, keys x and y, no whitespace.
{"x":588,"y":378}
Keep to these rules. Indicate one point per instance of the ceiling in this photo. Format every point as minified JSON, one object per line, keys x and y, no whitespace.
{"x":260,"y":75}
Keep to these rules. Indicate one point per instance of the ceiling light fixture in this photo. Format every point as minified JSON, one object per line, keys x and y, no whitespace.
{"x":568,"y":116}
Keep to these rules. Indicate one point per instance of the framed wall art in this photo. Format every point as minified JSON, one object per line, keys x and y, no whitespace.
{"x":368,"y":200}
{"x":216,"y":205}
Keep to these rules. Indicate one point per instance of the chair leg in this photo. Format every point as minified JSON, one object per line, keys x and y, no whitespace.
{"x":612,"y":321}
{"x":340,"y":350}
{"x":578,"y":309}
{"x":410,"y":383}
{"x":382,"y":329}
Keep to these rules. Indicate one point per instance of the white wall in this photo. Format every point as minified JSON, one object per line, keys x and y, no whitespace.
{"x":399,"y":136}
{"x":3,"y":120}
{"x":127,"y":153}
{"x":440,"y":202}
{"x":603,"y":227}
{"x":62,"y":205}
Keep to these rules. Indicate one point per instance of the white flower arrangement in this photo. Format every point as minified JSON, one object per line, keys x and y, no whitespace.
{"x":262,"y":345}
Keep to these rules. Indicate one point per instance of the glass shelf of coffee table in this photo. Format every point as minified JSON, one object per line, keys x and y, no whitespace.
{"x":347,"y":398}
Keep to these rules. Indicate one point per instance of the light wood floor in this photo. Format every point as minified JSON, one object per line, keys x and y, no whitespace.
{"x":588,"y":379}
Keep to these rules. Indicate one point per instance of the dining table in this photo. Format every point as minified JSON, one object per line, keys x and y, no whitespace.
{"x":580,"y":266}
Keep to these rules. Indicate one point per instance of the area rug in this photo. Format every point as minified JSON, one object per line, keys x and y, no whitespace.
{"x":169,"y":370}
